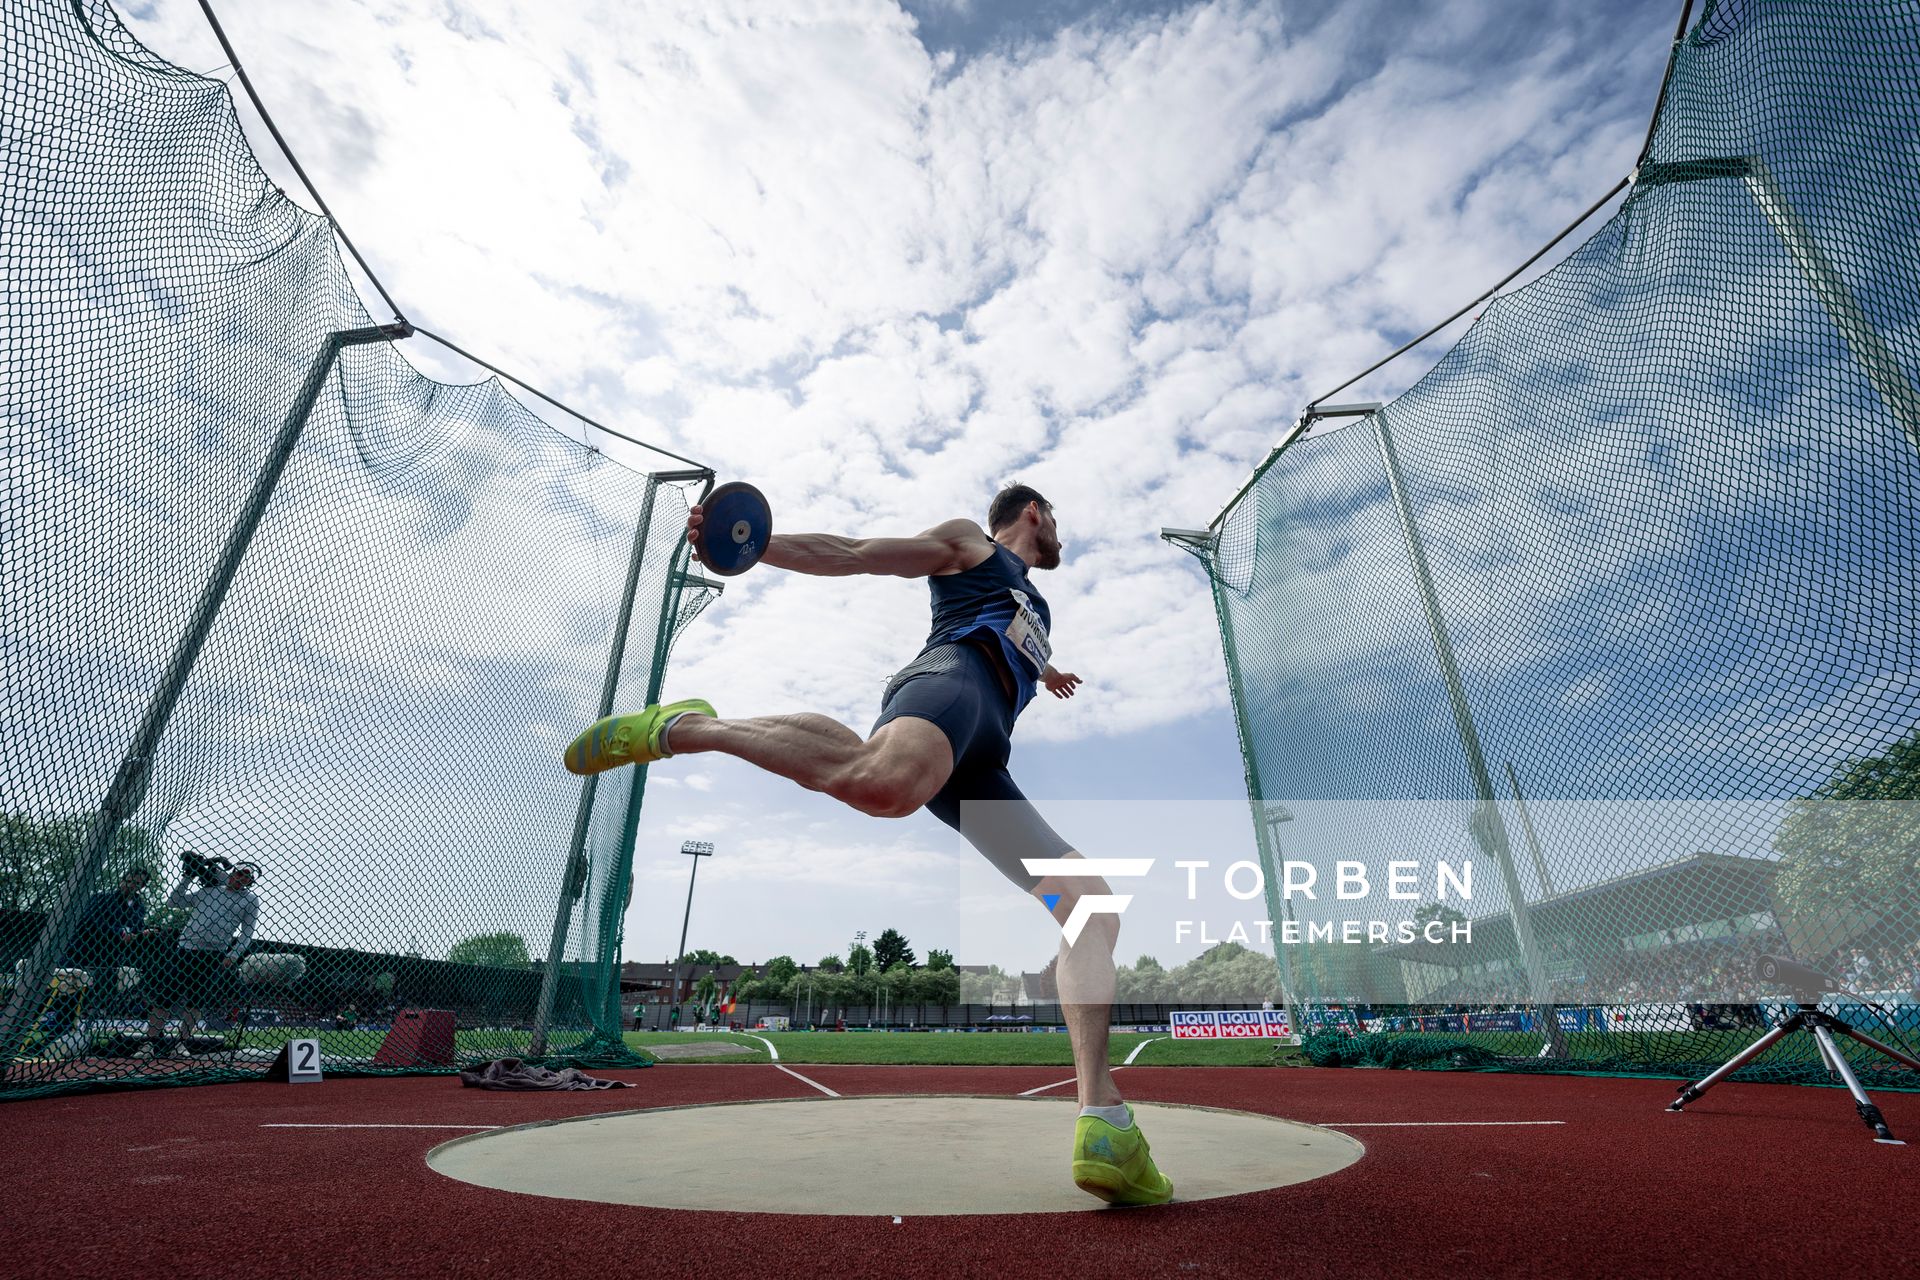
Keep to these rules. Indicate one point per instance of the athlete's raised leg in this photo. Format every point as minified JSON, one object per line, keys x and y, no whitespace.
{"x":888,"y":775}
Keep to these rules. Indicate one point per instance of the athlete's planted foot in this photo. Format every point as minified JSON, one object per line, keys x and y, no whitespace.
{"x":639,"y":738}
{"x":1116,"y":1164}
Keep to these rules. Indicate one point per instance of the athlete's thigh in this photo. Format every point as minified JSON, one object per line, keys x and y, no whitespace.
{"x":929,"y":722}
{"x":914,"y":754}
{"x":987,"y":807}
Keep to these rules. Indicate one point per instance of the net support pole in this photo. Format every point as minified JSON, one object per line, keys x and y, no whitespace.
{"x":129,"y":785}
{"x":1489,"y":828}
{"x":1877,"y":361}
{"x":1204,"y":543}
{"x":663,"y":640}
{"x":1274,"y":868}
{"x":1533,"y":837}
{"x":574,"y":881}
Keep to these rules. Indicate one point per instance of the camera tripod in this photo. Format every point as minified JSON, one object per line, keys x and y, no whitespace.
{"x":1822,"y":1026}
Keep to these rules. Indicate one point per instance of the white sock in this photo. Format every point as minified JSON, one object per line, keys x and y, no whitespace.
{"x":666,"y":730}
{"x":1119,"y":1117}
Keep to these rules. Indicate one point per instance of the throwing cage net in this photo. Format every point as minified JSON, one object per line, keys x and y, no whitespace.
{"x":272,"y":597}
{"x":1620,"y":603}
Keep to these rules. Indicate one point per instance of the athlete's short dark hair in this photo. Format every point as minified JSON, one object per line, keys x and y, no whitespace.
{"x":1010,"y":502}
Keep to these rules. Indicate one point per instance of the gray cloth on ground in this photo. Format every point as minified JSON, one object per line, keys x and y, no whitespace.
{"x":511,"y":1073}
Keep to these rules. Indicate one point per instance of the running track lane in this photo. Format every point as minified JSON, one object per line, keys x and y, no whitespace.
{"x":1745,"y":1182}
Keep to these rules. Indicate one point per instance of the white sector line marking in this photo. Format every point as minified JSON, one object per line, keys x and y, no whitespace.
{"x":803,"y":1080}
{"x":789,"y":1070}
{"x":1425,"y":1124}
{"x":379,"y":1126}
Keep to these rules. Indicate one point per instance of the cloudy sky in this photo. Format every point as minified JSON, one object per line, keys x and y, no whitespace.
{"x":881,"y":259}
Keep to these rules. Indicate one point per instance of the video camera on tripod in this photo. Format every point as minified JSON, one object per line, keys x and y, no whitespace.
{"x":211,"y":870}
{"x":1807,"y":983}
{"x":1808,"y":986}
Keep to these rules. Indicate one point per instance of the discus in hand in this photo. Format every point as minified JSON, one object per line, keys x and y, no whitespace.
{"x":735,"y":525}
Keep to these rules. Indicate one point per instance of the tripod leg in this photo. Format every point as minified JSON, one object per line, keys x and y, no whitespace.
{"x":1869,"y":1113}
{"x":1689,"y":1092}
{"x":1876,"y":1045}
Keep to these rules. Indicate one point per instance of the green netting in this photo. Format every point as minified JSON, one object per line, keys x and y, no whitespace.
{"x":425,"y":610}
{"x":1619,"y":600}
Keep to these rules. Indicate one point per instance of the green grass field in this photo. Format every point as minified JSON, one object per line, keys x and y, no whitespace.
{"x":1054,"y":1050}
{"x":984,"y":1049}
{"x":980,"y":1049}
{"x":1680,"y":1046}
{"x":365,"y":1043}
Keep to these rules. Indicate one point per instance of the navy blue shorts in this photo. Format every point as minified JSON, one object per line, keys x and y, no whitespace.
{"x":956,"y":687}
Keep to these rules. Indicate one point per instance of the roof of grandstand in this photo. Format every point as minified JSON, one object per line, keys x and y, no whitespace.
{"x":1692,"y":890}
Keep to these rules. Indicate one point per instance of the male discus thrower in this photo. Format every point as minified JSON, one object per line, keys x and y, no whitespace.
{"x":1808,"y":986}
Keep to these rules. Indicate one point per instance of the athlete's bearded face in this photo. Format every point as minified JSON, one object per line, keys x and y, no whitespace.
{"x":1047,"y":542}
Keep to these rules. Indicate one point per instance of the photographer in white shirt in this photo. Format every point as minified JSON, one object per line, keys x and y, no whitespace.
{"x":207,"y":946}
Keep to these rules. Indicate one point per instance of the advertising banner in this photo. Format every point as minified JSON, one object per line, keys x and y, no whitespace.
{"x":1229,"y":1024}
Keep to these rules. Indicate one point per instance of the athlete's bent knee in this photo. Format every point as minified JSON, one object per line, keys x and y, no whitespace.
{"x":880,"y":792}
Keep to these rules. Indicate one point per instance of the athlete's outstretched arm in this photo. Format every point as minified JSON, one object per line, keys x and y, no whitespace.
{"x":1060,"y":684}
{"x":946,"y":548}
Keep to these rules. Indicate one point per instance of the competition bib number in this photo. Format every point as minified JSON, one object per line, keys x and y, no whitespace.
{"x":1028,"y":631}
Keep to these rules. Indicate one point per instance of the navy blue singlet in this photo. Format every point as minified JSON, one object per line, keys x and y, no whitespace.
{"x":995,"y":602}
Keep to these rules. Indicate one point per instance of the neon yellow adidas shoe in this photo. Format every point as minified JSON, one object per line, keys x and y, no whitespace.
{"x":630,"y":739}
{"x":1116,"y":1164}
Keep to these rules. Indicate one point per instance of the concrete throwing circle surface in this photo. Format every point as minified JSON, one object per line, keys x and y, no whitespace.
{"x":913,"y":1156}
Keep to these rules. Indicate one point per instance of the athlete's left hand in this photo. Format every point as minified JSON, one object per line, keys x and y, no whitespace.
{"x":1061,"y":684}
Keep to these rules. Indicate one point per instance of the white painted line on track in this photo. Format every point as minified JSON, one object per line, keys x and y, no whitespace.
{"x":1425,"y":1124}
{"x":774,"y":1054}
{"x":803,"y":1080}
{"x":1070,"y":1079}
{"x":782,"y":1067}
{"x":379,"y":1126}
{"x":1028,"y":1093}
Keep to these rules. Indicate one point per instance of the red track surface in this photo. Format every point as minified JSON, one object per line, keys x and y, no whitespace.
{"x":1753,"y":1179}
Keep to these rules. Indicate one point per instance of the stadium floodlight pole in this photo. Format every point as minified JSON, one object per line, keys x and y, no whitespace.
{"x":1876,"y":359}
{"x":129,"y":785}
{"x":695,"y":849}
{"x":860,"y":940}
{"x":1489,"y":829}
{"x":1270,"y":853}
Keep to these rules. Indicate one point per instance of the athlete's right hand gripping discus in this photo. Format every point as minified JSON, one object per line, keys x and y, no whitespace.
{"x":735,"y":525}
